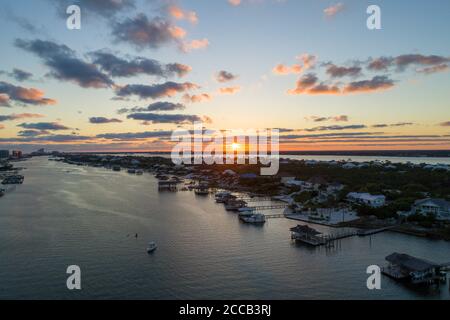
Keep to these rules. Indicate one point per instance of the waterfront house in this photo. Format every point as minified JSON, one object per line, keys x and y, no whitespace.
{"x":349,"y":165}
{"x":440,"y":208}
{"x":374,"y":201}
{"x":335,"y":187}
{"x":405,"y":267}
{"x":292,"y":182}
{"x":249,"y":176}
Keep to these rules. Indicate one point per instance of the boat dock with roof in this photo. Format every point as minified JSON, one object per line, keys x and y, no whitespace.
{"x":403,"y":267}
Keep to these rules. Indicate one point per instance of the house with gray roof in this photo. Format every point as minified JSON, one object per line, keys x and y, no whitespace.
{"x":440,"y":208}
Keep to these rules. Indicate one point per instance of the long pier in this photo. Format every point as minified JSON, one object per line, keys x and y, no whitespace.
{"x":270,"y":207}
{"x":363,"y":233}
{"x":319,"y":240}
{"x":255,"y":199}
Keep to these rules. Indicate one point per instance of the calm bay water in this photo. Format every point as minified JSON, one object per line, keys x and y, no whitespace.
{"x":64,"y":215}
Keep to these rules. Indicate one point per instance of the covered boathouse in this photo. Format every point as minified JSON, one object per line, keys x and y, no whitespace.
{"x":404,"y":267}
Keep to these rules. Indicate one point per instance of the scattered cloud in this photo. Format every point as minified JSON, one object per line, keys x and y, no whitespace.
{"x":65,"y":65}
{"x":154,"y":33}
{"x":432,"y":63}
{"x":336,"y":128}
{"x":119,"y":67}
{"x":308,"y":60}
{"x":229,"y":90}
{"x":434,"y":69}
{"x":235,"y":3}
{"x":168,"y":89}
{"x":179,"y":14}
{"x":445,"y":124}
{"x":157,"y":106}
{"x":282,"y":69}
{"x":4,"y":100}
{"x":145,"y":33}
{"x":103,"y":120}
{"x":197,"y":98}
{"x":22,"y":95}
{"x":399,"y":124}
{"x":333,"y":10}
{"x":377,"y":83}
{"x":32,"y":133}
{"x":225,"y":76}
{"x":153,"y":118}
{"x":51,"y":126}
{"x":194,"y":45}
{"x":20,"y":116}
{"x":339,"y":72}
{"x":309,"y":84}
{"x":341,"y":118}
{"x":18,"y":74}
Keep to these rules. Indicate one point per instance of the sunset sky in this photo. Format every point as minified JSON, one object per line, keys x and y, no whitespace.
{"x":139,"y":69}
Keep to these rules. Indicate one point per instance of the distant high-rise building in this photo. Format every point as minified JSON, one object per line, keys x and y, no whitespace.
{"x":17,"y":154}
{"x":4,"y":154}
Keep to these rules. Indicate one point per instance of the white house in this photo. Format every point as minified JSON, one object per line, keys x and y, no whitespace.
{"x":374,"y":201}
{"x":439,"y":207}
{"x":349,"y":165}
{"x":292,"y":182}
{"x":335,"y":187}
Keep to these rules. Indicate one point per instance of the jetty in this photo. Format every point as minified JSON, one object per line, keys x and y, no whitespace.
{"x":369,"y":232}
{"x":306,"y":234}
{"x":269,"y":207}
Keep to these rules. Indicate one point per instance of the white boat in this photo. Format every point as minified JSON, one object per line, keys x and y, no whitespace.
{"x":151,"y":247}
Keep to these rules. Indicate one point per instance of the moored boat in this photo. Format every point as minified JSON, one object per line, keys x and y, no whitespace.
{"x":257,"y":218}
{"x":222,"y":197}
{"x":235,"y":205}
{"x":151,"y":247}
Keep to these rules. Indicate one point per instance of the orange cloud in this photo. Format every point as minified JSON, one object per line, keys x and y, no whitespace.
{"x":304,"y":84}
{"x":229,"y":90}
{"x":195,"y":44}
{"x":282,"y":69}
{"x":234,"y":2}
{"x":308,"y":60}
{"x":197,"y":98}
{"x":333,"y":10}
{"x":34,"y":95}
{"x":4,"y":99}
{"x":177,"y":32}
{"x":178,"y":13}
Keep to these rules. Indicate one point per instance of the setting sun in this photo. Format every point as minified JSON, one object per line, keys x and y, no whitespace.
{"x":235,"y":146}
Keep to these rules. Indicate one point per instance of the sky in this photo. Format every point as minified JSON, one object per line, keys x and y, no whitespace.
{"x":139,"y":69}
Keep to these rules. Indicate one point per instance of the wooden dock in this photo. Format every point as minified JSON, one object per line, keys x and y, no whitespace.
{"x":269,"y":207}
{"x":363,"y":233}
